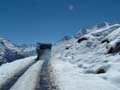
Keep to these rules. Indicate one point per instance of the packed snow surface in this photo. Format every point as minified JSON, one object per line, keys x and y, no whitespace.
{"x":8,"y":70}
{"x":30,"y":79}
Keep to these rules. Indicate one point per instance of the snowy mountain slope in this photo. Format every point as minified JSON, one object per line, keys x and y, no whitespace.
{"x":87,"y":30}
{"x":95,"y":53}
{"x":28,"y":50}
{"x":10,"y":51}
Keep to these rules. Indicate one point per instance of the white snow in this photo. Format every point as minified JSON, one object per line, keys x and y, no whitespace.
{"x":9,"y":44}
{"x":30,"y":79}
{"x":8,"y":70}
{"x":113,"y":35}
{"x":95,"y":30}
{"x":76,"y":68}
{"x":69,"y":77}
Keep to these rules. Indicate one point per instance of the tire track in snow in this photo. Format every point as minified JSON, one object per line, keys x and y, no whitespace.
{"x":13,"y":80}
{"x":44,"y":78}
{"x":30,"y":79}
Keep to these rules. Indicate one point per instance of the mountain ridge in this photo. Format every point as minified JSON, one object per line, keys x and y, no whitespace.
{"x":10,"y":51}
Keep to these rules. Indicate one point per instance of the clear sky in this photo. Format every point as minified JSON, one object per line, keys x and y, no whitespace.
{"x":31,"y":21}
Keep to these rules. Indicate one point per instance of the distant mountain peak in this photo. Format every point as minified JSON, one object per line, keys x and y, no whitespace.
{"x":82,"y":32}
{"x":102,"y":25}
{"x":3,"y":39}
{"x":65,"y":38}
{"x":10,"y":51}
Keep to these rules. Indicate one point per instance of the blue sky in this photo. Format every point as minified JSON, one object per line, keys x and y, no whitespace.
{"x":31,"y":21}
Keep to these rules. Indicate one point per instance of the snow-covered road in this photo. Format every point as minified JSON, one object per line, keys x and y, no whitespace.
{"x":25,"y":74}
{"x":30,"y":79}
{"x":9,"y":70}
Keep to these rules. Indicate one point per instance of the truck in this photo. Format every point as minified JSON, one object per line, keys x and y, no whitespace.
{"x":43,"y":51}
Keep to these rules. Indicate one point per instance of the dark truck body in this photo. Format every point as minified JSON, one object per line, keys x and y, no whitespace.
{"x":43,"y":51}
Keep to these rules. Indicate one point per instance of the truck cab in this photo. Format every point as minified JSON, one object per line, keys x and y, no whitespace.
{"x":43,"y":51}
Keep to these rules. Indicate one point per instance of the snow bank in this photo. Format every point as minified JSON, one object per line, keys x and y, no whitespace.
{"x":69,"y":77}
{"x":30,"y":78}
{"x":8,"y":70}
